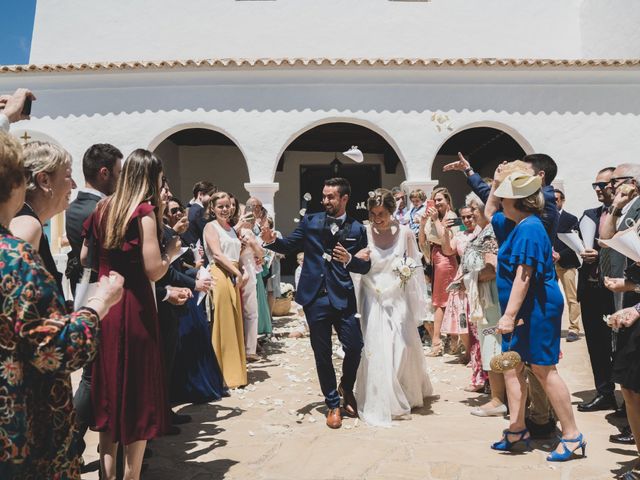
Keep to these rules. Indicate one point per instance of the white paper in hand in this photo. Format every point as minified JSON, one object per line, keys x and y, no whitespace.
{"x":83,"y":289}
{"x":179,"y":254}
{"x":626,"y":242}
{"x":588,"y":232}
{"x":574,"y":242}
{"x":196,"y":251}
{"x":203,"y":274}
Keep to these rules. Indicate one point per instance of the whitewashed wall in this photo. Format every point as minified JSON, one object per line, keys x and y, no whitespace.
{"x":584,"y":118}
{"x":81,"y":31}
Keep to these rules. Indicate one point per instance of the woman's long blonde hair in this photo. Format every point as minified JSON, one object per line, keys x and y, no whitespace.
{"x":138,"y":183}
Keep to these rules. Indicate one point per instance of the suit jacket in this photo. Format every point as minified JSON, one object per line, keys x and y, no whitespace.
{"x":550,"y":215}
{"x":616,"y":263}
{"x":174,"y":277}
{"x":197,"y":222}
{"x":79,"y":210}
{"x":568,"y":258}
{"x":313,"y":236}
{"x":589,"y":273}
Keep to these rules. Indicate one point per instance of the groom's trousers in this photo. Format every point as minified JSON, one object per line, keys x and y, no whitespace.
{"x":321,"y":316}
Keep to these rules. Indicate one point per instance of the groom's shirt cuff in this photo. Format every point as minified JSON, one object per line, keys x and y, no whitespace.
{"x":348,"y":261}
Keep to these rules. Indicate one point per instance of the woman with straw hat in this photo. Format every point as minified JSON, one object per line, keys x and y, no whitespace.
{"x":531,"y":305}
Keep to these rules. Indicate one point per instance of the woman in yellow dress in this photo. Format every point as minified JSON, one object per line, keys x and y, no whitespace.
{"x":223,"y":247}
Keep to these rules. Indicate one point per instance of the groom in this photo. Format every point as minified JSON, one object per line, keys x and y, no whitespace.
{"x":330,"y":241}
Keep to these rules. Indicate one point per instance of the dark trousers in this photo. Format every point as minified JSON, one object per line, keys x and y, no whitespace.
{"x":168,"y":321}
{"x":321,"y":316}
{"x":595,"y":302}
{"x":83,"y":407}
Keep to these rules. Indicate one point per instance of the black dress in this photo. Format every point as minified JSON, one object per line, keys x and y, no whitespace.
{"x":43,"y":249}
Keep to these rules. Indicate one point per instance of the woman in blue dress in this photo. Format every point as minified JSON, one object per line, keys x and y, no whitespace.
{"x":531,"y":305}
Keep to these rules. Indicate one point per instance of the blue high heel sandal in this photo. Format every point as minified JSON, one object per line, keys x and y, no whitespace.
{"x":505,"y":445}
{"x":567,"y":454}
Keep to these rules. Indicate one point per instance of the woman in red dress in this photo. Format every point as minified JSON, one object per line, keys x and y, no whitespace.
{"x":128,"y":389}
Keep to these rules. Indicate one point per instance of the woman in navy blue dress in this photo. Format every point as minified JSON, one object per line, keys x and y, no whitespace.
{"x":531,"y":305}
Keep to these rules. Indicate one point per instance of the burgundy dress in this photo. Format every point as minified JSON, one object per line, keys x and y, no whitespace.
{"x":128,"y":389}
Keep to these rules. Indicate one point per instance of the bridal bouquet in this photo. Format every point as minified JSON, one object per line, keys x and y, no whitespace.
{"x":405,"y":268}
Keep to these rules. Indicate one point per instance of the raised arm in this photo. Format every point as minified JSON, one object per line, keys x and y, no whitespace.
{"x":293,"y":243}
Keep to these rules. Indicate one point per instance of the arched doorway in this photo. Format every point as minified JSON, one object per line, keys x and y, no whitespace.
{"x":484,"y":148}
{"x":315,"y":155}
{"x":191,"y":155}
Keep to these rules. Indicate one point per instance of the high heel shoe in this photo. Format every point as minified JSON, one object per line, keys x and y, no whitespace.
{"x":567,"y":454}
{"x":505,"y":445}
{"x":437,"y":350}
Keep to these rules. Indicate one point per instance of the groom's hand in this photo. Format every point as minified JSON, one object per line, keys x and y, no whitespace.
{"x":267,"y":235}
{"x":341,"y":255}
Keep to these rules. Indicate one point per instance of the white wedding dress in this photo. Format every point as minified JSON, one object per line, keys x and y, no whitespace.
{"x":392,"y":377}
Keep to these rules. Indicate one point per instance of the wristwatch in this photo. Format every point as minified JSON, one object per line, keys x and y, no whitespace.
{"x":616,"y":212}
{"x":468,"y":171}
{"x":636,"y":289}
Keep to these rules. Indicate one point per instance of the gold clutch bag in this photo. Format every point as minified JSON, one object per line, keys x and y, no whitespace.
{"x":506,"y":360}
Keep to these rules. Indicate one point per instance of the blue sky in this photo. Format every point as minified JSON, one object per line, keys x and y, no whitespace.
{"x":15,"y":34}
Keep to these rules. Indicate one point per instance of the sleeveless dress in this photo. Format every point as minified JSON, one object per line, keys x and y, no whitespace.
{"x":43,"y":249}
{"x":392,"y":377}
{"x":227,"y":334}
{"x":128,"y":389}
{"x":444,"y":267}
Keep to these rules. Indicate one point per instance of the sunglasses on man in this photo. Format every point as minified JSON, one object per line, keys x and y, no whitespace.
{"x":600,"y":185}
{"x":175,"y":210}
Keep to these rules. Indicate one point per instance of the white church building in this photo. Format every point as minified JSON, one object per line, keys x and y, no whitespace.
{"x":261,"y":96}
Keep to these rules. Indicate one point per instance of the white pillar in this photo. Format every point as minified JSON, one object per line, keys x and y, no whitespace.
{"x":265,"y":192}
{"x":426,"y":185}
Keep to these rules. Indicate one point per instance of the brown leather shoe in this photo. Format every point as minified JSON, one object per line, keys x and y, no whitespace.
{"x":334,"y":418}
{"x":349,"y":402}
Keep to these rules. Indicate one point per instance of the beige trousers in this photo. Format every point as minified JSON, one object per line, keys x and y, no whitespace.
{"x":567,"y":277}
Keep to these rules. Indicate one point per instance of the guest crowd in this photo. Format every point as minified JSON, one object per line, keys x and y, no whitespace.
{"x":172,"y":300}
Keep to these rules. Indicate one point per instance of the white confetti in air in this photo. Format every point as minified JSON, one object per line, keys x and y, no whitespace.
{"x":296,"y":220}
{"x":354,"y":154}
{"x":251,"y":434}
{"x":307,"y":197}
{"x":302,"y":212}
{"x":372,"y":194}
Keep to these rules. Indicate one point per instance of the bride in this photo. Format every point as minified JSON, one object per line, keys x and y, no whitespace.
{"x":392,"y":377}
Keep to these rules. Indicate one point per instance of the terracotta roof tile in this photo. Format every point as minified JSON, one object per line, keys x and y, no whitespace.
{"x":323,"y":62}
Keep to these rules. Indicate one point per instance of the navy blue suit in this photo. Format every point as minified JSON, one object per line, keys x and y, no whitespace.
{"x":325,"y":291}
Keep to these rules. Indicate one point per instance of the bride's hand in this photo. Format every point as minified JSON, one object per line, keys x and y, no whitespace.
{"x":364,"y":254}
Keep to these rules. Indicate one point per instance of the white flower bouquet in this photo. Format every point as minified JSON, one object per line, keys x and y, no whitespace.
{"x":286,"y":290}
{"x":405,"y":268}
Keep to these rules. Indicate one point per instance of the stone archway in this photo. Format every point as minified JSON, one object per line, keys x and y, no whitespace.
{"x":485,"y":147}
{"x":315,"y":154}
{"x":195,"y":153}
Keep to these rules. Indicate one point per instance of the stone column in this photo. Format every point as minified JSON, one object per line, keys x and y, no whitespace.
{"x":426,"y":185}
{"x":265,"y":192}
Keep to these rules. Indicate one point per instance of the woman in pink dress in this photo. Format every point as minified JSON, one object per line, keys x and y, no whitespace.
{"x":456,"y":313}
{"x":445,"y":264}
{"x":128,"y":389}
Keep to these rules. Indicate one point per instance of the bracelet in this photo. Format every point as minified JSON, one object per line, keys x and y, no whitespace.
{"x":636,"y":288}
{"x":616,"y":212}
{"x":467,"y":170}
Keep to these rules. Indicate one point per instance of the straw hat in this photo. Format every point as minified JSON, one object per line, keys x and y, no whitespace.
{"x":518,"y":185}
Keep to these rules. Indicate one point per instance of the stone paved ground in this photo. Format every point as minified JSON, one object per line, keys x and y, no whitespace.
{"x":274,"y":429}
